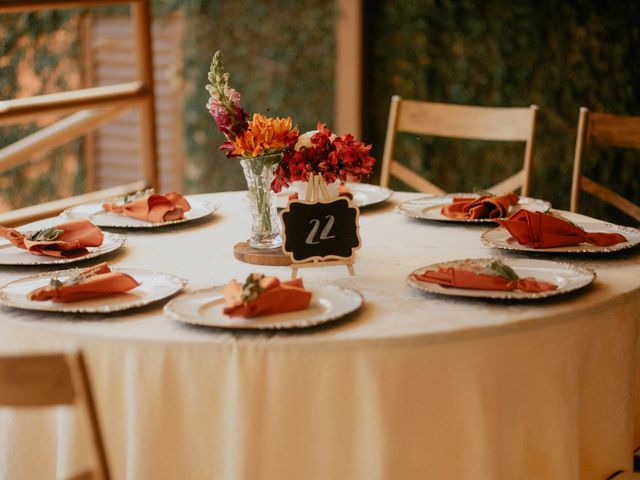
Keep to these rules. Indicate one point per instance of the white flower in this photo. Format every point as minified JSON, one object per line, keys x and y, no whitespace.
{"x":304,"y":140}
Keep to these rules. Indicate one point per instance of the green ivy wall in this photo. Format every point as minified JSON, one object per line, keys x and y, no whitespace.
{"x":557,"y":54}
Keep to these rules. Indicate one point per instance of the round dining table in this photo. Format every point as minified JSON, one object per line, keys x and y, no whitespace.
{"x":413,"y":385}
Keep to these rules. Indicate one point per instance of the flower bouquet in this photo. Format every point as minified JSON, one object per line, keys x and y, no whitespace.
{"x":273,"y":154}
{"x":335,"y":159}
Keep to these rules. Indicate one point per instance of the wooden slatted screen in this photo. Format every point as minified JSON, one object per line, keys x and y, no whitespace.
{"x":113,"y":149}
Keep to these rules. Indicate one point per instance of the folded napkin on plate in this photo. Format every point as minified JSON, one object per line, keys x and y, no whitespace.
{"x":541,"y":230}
{"x":486,"y":206}
{"x":261,"y":295}
{"x":154,"y":208}
{"x":93,"y":282}
{"x":461,"y":278}
{"x":67,"y":240}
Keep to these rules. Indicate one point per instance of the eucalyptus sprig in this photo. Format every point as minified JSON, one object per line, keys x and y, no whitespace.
{"x":45,"y":235}
{"x":138,"y":195}
{"x":130,"y":197}
{"x":251,"y":288}
{"x":74,"y":278}
{"x":501,"y":269}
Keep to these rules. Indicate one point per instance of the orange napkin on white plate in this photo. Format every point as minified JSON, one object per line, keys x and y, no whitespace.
{"x":154,"y":208}
{"x":486,"y":206}
{"x":541,"y":230}
{"x":461,"y":278}
{"x":70,"y":239}
{"x":93,"y":282}
{"x":262,"y":295}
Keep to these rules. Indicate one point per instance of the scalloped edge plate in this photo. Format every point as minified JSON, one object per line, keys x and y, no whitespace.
{"x":203,"y":307}
{"x":364,"y":194}
{"x":568,"y":278}
{"x":13,"y":256}
{"x":428,"y":208}
{"x":500,"y":237}
{"x":154,"y":286}
{"x":101,"y":218}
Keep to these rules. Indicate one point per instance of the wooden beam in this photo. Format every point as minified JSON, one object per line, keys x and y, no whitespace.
{"x":348,"y":68}
{"x":18,"y":6}
{"x":141,"y":20}
{"x":21,"y":216}
{"x":56,"y":134}
{"x":21,"y":109}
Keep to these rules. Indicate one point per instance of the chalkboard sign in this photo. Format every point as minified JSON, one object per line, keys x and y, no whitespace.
{"x":320,"y":230}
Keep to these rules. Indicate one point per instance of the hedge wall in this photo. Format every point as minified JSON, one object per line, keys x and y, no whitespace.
{"x":559,"y":55}
{"x":280,"y":55}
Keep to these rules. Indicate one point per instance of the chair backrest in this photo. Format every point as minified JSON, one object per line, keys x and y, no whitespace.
{"x":89,"y":108}
{"x":604,"y":129}
{"x":28,"y":381}
{"x":625,"y":476}
{"x":458,"y":121}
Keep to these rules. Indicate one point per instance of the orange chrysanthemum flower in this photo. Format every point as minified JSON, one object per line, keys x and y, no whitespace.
{"x":264,"y":136}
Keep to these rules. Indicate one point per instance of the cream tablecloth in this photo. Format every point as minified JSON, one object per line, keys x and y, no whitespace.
{"x":412,"y":386}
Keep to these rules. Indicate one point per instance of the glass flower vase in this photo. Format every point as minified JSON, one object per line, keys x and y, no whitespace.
{"x":266,"y":231}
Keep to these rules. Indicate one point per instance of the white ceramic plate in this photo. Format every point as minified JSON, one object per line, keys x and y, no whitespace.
{"x":567,"y":277}
{"x":428,"y":208}
{"x":95,"y":213}
{"x":501,"y":238}
{"x":10,"y":255}
{"x":204,"y":307}
{"x":153,"y":287}
{"x":364,"y":194}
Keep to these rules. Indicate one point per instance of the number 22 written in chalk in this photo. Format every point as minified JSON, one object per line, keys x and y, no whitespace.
{"x":324,"y":235}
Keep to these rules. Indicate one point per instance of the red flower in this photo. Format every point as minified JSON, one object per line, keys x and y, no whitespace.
{"x":342,"y":158}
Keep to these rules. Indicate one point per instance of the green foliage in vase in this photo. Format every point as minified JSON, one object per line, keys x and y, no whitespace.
{"x":281,"y":53}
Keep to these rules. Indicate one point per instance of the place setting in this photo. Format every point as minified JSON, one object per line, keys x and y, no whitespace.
{"x":527,"y":231}
{"x":96,"y":289}
{"x":52,"y":242}
{"x":503,"y":279}
{"x":476,"y":207}
{"x":143,"y":209}
{"x":264,"y":302}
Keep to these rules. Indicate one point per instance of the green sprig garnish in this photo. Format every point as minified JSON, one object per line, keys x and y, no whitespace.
{"x":45,"y":235}
{"x":73,"y":278}
{"x":251,"y":288}
{"x":501,"y":269}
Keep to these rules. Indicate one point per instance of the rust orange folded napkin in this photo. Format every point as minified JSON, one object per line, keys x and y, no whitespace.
{"x":98,"y":281}
{"x":67,"y":240}
{"x":262,"y":295}
{"x":486,"y":206}
{"x":461,"y":278}
{"x":154,"y":208}
{"x":541,"y":230}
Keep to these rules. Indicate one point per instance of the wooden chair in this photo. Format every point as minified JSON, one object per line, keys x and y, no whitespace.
{"x":458,"y":121}
{"x":625,"y":476}
{"x":609,"y":130}
{"x":30,"y":381}
{"x":89,"y":108}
